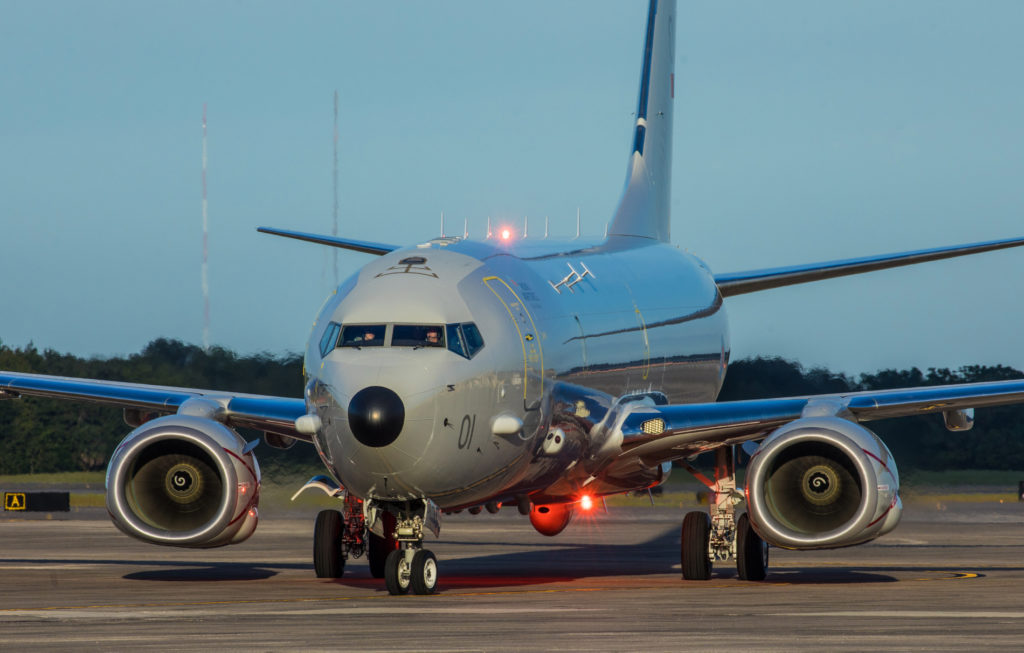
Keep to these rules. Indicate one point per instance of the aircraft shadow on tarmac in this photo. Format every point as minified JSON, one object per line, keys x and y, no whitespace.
{"x":546,"y":562}
{"x":173,"y":570}
{"x":555,"y":562}
{"x":219,"y":572}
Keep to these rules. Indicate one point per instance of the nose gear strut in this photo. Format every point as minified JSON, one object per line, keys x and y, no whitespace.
{"x":410,"y":566}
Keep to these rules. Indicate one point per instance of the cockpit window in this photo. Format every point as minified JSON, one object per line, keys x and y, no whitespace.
{"x":363,"y":335}
{"x":417,"y":335}
{"x":329,"y":339}
{"x":455,"y":340}
{"x":464,"y":339}
{"x":474,"y":341}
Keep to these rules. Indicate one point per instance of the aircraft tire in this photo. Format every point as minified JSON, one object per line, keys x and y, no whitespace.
{"x":751,"y":551}
{"x":424,"y":572}
{"x":396,"y":576}
{"x":693,"y":546}
{"x":380,"y":547}
{"x":327,"y":559}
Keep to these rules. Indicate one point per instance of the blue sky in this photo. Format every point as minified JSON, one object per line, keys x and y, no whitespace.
{"x":804,"y":131}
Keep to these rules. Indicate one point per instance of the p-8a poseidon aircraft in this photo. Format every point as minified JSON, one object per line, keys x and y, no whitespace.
{"x":460,"y":374}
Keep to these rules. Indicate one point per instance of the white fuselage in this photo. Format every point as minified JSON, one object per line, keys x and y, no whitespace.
{"x":566,"y":329}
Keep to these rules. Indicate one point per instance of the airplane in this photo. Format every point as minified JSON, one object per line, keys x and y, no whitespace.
{"x":466,"y":374}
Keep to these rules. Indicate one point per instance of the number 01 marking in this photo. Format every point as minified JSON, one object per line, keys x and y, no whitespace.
{"x":466,"y":431}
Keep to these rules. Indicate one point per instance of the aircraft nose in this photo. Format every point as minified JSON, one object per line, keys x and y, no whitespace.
{"x":376,"y":416}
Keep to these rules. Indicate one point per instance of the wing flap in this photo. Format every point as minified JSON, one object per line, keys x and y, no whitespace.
{"x":662,"y":433}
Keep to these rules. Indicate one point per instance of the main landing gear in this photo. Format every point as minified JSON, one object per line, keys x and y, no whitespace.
{"x":337,"y":536}
{"x":719,"y":536}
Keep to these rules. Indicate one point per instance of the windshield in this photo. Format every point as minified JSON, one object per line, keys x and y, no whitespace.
{"x":417,"y":335}
{"x":363,"y":335}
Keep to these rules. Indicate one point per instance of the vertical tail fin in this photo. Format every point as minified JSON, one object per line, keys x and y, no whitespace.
{"x":644,"y":208}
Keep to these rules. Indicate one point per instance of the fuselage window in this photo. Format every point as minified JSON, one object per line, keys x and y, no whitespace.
{"x":417,"y":335}
{"x":329,"y":339}
{"x":363,"y":335}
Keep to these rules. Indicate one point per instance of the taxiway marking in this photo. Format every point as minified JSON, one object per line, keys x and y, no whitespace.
{"x":906,"y":614}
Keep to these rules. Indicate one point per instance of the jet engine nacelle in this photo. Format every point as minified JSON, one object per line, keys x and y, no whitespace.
{"x":822,"y":483}
{"x":184,"y":481}
{"x":551,"y":519}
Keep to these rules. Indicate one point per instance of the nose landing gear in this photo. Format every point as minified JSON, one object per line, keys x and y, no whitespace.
{"x":410,"y":566}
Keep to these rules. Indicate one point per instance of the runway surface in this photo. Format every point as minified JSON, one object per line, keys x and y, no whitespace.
{"x":949,"y":578}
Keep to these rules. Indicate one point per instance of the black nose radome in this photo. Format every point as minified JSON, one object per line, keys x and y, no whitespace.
{"x":376,"y":416}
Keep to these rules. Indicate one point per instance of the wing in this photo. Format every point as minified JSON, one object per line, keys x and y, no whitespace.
{"x":262,"y":412}
{"x":364,"y":246}
{"x":738,"y":283}
{"x":657,"y":434}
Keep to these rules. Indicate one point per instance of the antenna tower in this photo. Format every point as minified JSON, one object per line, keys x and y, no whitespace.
{"x":334,"y":230}
{"x":205,"y":274}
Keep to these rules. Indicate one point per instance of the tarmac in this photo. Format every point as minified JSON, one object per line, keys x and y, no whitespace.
{"x":950,"y":577}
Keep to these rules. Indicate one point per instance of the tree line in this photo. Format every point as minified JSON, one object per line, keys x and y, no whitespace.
{"x":45,"y":435}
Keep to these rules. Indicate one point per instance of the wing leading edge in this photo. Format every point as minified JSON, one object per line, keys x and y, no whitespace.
{"x":738,"y":283}
{"x":262,"y":412}
{"x":687,"y":429}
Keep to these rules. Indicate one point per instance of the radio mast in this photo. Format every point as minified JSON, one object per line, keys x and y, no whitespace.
{"x":334,"y":230}
{"x":205,"y":274}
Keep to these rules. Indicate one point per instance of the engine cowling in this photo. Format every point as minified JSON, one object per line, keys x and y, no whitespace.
{"x":821,"y":483}
{"x":184,"y":481}
{"x":551,"y":519}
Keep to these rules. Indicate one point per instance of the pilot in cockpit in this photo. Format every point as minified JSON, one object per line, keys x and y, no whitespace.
{"x":433,"y":338}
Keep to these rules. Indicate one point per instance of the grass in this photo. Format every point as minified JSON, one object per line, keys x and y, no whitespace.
{"x":58,"y":478}
{"x":90,"y":500}
{"x":961,"y":478}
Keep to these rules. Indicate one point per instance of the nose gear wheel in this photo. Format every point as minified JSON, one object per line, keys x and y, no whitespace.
{"x":424,"y":572}
{"x":397,"y":573}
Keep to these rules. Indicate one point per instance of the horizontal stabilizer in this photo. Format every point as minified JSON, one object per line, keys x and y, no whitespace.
{"x":364,"y":246}
{"x":738,"y":283}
